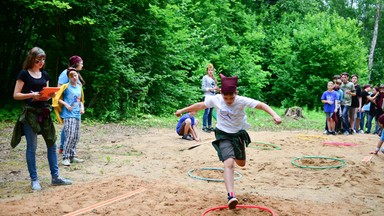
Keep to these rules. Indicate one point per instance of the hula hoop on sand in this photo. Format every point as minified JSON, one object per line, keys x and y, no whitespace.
{"x":343,"y":163}
{"x":273,"y":146}
{"x":339,"y":143}
{"x":240,"y":206}
{"x":211,"y":179}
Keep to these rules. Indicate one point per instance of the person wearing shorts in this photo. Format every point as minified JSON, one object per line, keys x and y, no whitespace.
{"x":187,"y":127}
{"x":230,"y":131}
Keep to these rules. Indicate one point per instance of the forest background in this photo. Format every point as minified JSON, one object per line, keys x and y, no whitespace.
{"x":147,"y":57}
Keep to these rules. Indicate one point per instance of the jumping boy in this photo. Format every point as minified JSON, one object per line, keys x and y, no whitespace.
{"x":231,"y":135}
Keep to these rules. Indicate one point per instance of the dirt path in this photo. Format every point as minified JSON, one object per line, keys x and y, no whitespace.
{"x":149,"y":170}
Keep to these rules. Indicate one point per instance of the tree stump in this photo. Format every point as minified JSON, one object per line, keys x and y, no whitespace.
{"x":294,"y":112}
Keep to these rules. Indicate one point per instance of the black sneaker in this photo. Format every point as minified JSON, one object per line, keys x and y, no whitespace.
{"x":211,"y":129}
{"x":206,"y":130}
{"x":232,"y":202}
{"x":187,"y":137}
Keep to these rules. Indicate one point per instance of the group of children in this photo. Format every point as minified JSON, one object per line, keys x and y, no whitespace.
{"x":35,"y":117}
{"x":346,"y":105}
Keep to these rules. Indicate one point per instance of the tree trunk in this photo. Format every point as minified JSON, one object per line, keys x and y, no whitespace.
{"x":294,"y":112}
{"x":374,"y":39}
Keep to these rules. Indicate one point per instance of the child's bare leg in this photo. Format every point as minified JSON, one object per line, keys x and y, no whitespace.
{"x":193,"y":132}
{"x":187,"y":126}
{"x":331,"y":125}
{"x":229,"y":169}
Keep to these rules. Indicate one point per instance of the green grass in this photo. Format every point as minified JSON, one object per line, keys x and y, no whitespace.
{"x":259,"y":120}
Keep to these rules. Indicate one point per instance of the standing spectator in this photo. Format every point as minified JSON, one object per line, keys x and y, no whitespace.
{"x":372,"y":111}
{"x":72,"y":109}
{"x":365,"y":106}
{"x":36,"y":118}
{"x":75,"y":62}
{"x":337,"y":89}
{"x":379,"y":103}
{"x":209,"y":87}
{"x":330,"y":99}
{"x":355,"y":110}
{"x":348,"y":91}
{"x":337,"y":82}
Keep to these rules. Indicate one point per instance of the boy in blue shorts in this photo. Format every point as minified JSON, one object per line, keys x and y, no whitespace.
{"x":230,"y":132}
{"x":330,"y":101}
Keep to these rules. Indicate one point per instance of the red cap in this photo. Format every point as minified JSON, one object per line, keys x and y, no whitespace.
{"x":228,"y":84}
{"x":74,"y":60}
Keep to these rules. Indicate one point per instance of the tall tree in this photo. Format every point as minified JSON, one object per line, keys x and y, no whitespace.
{"x":374,"y":38}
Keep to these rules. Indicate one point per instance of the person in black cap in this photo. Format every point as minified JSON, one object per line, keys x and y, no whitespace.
{"x":230,"y":132}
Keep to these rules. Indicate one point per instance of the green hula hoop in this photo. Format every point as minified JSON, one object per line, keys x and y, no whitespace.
{"x":343,"y":163}
{"x":211,"y":179}
{"x":273,"y":146}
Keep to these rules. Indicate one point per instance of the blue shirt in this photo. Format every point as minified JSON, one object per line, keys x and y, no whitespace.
{"x":72,"y":96}
{"x":330,"y":96}
{"x":182,"y":119}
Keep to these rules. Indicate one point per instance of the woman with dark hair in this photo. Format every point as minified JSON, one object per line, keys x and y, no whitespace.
{"x":35,"y":118}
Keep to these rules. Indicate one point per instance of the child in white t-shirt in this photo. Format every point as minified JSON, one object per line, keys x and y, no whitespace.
{"x":230,"y":132}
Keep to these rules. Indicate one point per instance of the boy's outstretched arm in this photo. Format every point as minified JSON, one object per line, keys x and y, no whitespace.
{"x":194,"y":107}
{"x":269,"y":110}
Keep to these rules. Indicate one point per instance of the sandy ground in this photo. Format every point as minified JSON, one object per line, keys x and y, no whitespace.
{"x":130,"y":171}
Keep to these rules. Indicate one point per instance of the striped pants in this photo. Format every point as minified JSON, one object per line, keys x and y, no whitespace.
{"x":72,"y":136}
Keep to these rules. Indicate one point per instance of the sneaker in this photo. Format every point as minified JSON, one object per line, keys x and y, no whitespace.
{"x":77,"y":160}
{"x":346,"y":133}
{"x":35,"y":185}
{"x":60,"y":151}
{"x":325,"y":132}
{"x":206,"y":130}
{"x":232,"y":202}
{"x":66,"y":162}
{"x":367,"y":132}
{"x":61,"y":181}
{"x":328,"y":133}
{"x":360,"y":131}
{"x":333,"y":132}
{"x":187,"y":137}
{"x":211,"y":129}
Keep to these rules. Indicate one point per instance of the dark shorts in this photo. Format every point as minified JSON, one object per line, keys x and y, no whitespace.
{"x":329,"y":114}
{"x":226,"y":149}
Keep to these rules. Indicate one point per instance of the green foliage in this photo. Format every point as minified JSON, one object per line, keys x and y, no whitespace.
{"x":308,"y":51}
{"x":144,"y":58}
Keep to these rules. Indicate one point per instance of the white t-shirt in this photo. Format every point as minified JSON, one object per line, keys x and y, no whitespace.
{"x":231,"y":119}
